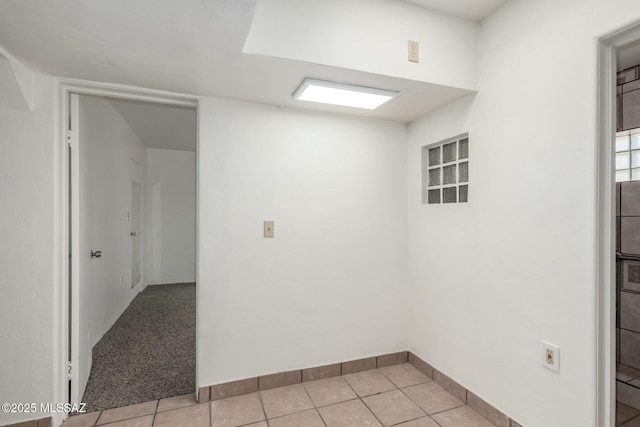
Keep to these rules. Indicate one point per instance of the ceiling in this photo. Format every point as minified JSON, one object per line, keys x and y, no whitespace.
{"x":195,"y":48}
{"x":475,"y":10}
{"x":161,"y":126}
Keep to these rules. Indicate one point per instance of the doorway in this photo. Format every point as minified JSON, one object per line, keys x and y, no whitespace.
{"x":105,"y":202}
{"x":627,"y":207}
{"x":616,"y":406}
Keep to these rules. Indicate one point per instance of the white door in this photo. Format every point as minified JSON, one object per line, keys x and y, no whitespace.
{"x":134,"y":218}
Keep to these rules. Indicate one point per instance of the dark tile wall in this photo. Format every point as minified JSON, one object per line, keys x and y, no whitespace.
{"x":628,"y":277}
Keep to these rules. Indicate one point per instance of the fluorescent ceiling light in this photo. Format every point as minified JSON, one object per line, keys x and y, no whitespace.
{"x":342,"y":94}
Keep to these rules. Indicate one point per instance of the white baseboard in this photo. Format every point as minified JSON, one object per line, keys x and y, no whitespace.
{"x":169,"y":281}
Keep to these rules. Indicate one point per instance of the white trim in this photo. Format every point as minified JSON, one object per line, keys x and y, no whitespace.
{"x":74,"y":229}
{"x":61,"y":251}
{"x":605,"y":348}
{"x":61,"y":219}
{"x":605,"y":238}
{"x":85,"y":87}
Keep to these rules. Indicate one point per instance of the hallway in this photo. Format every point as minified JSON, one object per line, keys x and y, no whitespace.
{"x":149,"y":353}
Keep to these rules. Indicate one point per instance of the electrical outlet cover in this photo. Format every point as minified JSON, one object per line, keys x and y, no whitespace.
{"x":414,"y":51}
{"x":550,"y":356}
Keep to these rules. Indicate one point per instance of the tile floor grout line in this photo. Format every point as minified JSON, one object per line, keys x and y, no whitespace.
{"x":349,"y":384}
{"x":411,"y":399}
{"x":337,"y":403}
{"x":412,"y":419}
{"x":210,"y":415}
{"x":351,"y":400}
{"x":388,"y":379}
{"x":314,"y":403}
{"x":358,"y":397}
{"x":309,"y":396}
{"x":322,"y":418}
{"x":296,"y":411}
{"x":254,"y":422}
{"x":411,"y":385}
{"x":631,"y":419}
{"x":126,"y":419}
{"x":428,"y":414}
{"x":451,"y":409}
{"x":375,"y":394}
{"x":414,"y":402}
{"x":400,"y":390}
{"x":281,"y":416}
{"x":262,"y":405}
{"x":99,"y":415}
{"x":372,"y":413}
{"x":153,"y":421}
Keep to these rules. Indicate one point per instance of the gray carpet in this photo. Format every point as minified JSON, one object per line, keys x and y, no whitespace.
{"x":149,"y":353}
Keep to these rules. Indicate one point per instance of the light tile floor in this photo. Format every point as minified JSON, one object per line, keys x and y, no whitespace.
{"x":398,"y":395}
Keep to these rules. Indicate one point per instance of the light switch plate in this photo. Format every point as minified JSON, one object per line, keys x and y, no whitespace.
{"x":268,"y":228}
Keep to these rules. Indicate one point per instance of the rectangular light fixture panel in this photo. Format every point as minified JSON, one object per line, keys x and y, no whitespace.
{"x":342,"y":94}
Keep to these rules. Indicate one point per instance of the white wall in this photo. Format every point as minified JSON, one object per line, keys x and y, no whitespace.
{"x":107,"y":145}
{"x":493,"y":278}
{"x":370,"y":36}
{"x":331,"y":285}
{"x":514,"y":266}
{"x":27,"y":270}
{"x":171,"y":181}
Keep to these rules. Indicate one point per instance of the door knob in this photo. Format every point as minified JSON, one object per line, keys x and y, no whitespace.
{"x":133,"y":233}
{"x":96,"y":254}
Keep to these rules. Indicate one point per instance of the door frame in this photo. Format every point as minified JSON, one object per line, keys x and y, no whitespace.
{"x":62,"y":220}
{"x":605,"y":222}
